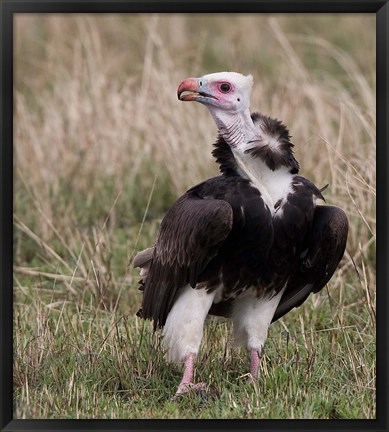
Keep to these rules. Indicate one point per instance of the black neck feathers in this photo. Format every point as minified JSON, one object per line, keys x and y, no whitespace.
{"x":273,"y":147}
{"x":225,"y":158}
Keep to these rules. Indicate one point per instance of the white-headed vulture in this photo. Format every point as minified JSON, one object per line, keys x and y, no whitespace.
{"x":250,"y":244}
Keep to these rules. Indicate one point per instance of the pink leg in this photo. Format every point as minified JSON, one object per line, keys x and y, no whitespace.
{"x":188,"y":371}
{"x":186,"y":383}
{"x":254,"y":364}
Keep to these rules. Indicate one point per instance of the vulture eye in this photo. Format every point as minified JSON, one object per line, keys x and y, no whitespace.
{"x":225,"y":87}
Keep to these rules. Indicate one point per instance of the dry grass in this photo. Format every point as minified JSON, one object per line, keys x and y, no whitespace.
{"x":103,"y":148}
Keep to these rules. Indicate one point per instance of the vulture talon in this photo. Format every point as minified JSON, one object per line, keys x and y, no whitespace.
{"x":191,"y":388}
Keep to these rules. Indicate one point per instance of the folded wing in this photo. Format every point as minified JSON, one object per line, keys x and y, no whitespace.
{"x":325,"y":248}
{"x":190,"y":235}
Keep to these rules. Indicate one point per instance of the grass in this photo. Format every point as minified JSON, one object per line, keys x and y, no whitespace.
{"x":103,"y":148}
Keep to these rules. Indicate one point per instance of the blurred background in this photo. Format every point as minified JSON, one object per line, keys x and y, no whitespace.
{"x":103,"y":148}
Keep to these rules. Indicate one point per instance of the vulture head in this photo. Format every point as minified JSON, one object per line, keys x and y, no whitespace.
{"x":227,"y":97}
{"x":227,"y":91}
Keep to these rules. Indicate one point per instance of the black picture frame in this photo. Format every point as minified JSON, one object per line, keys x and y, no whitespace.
{"x":10,"y":7}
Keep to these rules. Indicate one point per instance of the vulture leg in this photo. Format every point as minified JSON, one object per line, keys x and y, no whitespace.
{"x":186,"y":384}
{"x":252,"y":317}
{"x":183,"y":332}
{"x":254,"y":364}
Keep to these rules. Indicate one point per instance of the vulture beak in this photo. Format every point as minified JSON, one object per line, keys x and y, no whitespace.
{"x":195,"y":91}
{"x":189,"y":85}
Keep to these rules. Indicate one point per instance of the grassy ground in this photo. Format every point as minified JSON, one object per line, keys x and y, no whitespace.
{"x":103,"y":148}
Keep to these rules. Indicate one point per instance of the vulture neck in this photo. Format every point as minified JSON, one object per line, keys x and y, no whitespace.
{"x":235,"y":128}
{"x":257,"y":148}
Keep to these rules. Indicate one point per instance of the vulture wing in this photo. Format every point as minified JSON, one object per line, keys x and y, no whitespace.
{"x":325,"y":248}
{"x":190,"y":235}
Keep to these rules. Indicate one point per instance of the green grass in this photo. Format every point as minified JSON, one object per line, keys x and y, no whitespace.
{"x":84,"y":361}
{"x":78,"y":362}
{"x":103,"y":148}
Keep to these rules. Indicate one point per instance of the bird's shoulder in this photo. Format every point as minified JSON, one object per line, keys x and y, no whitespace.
{"x":236,"y":191}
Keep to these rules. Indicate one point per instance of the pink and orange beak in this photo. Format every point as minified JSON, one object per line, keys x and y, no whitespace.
{"x":188,"y":85}
{"x":197,"y":90}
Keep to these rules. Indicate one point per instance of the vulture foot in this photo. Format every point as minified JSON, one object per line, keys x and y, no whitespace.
{"x":187,"y":386}
{"x":205,"y":391}
{"x":198,"y":388}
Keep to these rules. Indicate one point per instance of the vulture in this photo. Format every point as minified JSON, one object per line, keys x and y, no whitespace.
{"x":250,"y":244}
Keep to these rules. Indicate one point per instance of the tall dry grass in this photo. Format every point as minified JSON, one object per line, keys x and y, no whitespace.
{"x":80,"y":118}
{"x":103,"y":146}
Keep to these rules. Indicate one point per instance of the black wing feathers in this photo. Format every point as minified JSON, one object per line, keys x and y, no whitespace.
{"x":326,"y":244}
{"x":191,"y":230}
{"x":189,"y":237}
